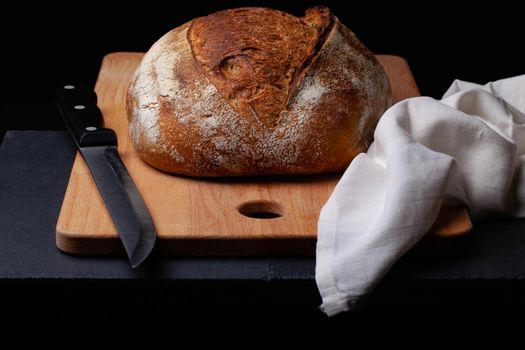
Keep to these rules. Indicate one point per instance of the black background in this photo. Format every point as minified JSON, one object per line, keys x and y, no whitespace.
{"x":44,"y":46}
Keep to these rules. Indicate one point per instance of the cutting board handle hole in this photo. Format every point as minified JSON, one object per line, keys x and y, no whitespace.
{"x":261,"y":209}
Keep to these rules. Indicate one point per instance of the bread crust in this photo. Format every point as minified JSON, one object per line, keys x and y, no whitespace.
{"x":255,"y":91}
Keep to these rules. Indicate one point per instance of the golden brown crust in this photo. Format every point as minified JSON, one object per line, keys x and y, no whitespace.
{"x":256,"y":91}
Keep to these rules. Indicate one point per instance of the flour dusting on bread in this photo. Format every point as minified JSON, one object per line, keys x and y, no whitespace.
{"x":186,"y":116}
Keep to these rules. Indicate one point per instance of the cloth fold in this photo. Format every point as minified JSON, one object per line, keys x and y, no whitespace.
{"x":467,"y":148}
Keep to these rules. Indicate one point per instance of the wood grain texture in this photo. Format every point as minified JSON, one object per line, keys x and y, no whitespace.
{"x":203,"y":216}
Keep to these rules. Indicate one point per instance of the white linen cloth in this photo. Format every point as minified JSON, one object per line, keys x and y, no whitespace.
{"x":468,"y":148}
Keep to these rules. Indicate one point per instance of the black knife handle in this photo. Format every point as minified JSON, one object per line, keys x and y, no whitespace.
{"x":78,"y":106}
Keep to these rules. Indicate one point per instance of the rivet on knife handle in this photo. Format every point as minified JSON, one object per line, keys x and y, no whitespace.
{"x":78,"y":106}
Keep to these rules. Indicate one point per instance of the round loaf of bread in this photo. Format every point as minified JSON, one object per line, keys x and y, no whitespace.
{"x":254,"y":91}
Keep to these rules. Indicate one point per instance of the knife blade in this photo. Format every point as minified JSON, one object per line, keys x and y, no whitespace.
{"x":98,"y":147}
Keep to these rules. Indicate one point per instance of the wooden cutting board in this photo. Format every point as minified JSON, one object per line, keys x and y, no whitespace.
{"x":234,"y":216}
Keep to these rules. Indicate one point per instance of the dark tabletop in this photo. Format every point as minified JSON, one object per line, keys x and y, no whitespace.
{"x":487,"y":268}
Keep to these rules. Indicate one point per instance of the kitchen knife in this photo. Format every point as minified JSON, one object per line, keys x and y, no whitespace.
{"x":98,"y":146}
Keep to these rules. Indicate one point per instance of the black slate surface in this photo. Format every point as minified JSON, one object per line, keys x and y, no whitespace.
{"x":34,"y":170}
{"x":35,"y":167}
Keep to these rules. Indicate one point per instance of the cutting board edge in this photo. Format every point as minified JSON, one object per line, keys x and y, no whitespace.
{"x":87,"y":246}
